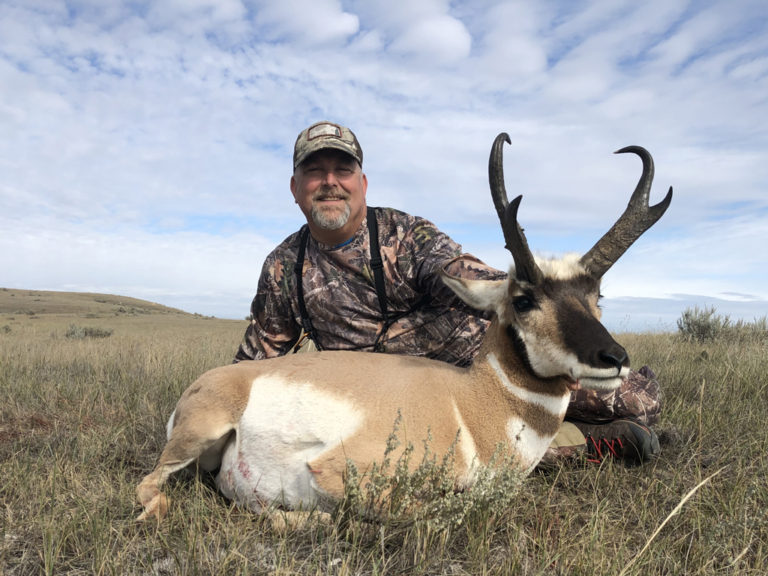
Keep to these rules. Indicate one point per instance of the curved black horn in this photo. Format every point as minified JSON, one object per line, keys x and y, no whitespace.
{"x":638,"y":217}
{"x":496,"y":176}
{"x":525,"y":266}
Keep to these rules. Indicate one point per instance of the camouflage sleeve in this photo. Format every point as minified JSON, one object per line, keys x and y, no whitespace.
{"x":273,"y":330}
{"x":470,"y":267}
{"x":436,"y":251}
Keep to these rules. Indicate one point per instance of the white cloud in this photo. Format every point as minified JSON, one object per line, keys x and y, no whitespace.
{"x":442,"y":39}
{"x":511,"y":42}
{"x":426,"y":32}
{"x":304,"y":22}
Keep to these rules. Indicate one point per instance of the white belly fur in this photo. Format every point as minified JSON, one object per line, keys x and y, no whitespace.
{"x":284,"y":426}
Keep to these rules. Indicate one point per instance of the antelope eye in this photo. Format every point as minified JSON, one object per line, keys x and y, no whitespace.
{"x":523,"y":303}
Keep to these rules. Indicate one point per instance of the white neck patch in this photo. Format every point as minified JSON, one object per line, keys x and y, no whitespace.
{"x":529,"y":444}
{"x":555,"y":405}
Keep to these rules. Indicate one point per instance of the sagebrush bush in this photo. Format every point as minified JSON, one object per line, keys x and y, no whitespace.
{"x":79,"y":332}
{"x":705,"y":325}
{"x":409,"y":506}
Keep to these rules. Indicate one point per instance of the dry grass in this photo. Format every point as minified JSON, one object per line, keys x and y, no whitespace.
{"x":82,"y":420}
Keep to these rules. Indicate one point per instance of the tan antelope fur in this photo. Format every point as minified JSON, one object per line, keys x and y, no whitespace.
{"x":280,"y":431}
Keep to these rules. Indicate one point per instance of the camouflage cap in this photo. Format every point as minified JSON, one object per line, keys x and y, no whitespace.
{"x":323,"y":135}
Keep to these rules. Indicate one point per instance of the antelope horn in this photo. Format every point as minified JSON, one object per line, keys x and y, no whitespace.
{"x":638,"y":217}
{"x":526,"y":268}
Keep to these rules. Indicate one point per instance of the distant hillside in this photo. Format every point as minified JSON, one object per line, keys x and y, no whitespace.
{"x":15,"y":301}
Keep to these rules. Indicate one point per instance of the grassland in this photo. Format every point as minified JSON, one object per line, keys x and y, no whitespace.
{"x":82,"y":419}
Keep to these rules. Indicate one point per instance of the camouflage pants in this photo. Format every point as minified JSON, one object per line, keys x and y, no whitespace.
{"x":638,"y":398}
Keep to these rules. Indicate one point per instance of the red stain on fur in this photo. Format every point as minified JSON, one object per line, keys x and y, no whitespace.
{"x":243,"y":468}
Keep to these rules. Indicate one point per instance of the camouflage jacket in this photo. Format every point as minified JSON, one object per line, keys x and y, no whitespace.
{"x":341,"y":300}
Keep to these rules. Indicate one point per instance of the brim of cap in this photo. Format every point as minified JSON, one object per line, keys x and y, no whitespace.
{"x":326,"y":145}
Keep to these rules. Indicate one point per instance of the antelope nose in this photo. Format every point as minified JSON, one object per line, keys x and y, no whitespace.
{"x":615,"y":358}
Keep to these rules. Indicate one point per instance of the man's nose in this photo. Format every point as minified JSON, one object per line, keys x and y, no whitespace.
{"x":329,"y":178}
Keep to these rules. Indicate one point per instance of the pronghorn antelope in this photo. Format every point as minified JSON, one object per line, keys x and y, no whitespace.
{"x":281,"y":430}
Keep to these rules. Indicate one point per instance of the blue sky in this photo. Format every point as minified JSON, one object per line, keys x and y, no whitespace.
{"x":146,"y":146}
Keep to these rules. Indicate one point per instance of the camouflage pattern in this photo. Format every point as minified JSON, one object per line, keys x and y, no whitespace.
{"x":324,"y":135}
{"x":341,"y":299}
{"x":638,"y":398}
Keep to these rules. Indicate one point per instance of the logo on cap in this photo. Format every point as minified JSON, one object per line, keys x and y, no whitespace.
{"x":319,"y":130}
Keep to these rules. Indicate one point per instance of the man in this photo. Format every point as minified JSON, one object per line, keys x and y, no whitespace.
{"x":359,"y":278}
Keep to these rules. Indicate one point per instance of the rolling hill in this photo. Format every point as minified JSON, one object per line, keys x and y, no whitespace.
{"x":41,"y":302}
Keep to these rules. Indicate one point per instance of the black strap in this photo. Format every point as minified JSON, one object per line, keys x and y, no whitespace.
{"x":377,"y":265}
{"x":306,"y":322}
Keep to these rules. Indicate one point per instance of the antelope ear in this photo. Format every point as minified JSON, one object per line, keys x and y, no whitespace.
{"x":479,"y":294}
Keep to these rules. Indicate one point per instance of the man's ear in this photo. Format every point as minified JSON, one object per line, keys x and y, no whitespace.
{"x":293,"y":188}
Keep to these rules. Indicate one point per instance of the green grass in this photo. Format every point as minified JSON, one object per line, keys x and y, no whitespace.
{"x":82,"y":420}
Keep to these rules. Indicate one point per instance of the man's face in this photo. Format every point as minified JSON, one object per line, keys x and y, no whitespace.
{"x":330,"y":187}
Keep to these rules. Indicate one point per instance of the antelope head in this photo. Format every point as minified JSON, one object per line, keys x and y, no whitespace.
{"x":549,"y":308}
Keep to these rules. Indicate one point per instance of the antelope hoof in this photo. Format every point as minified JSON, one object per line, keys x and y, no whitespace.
{"x":156,"y":506}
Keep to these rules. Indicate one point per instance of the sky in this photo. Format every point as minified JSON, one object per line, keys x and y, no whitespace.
{"x":146,"y":147}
